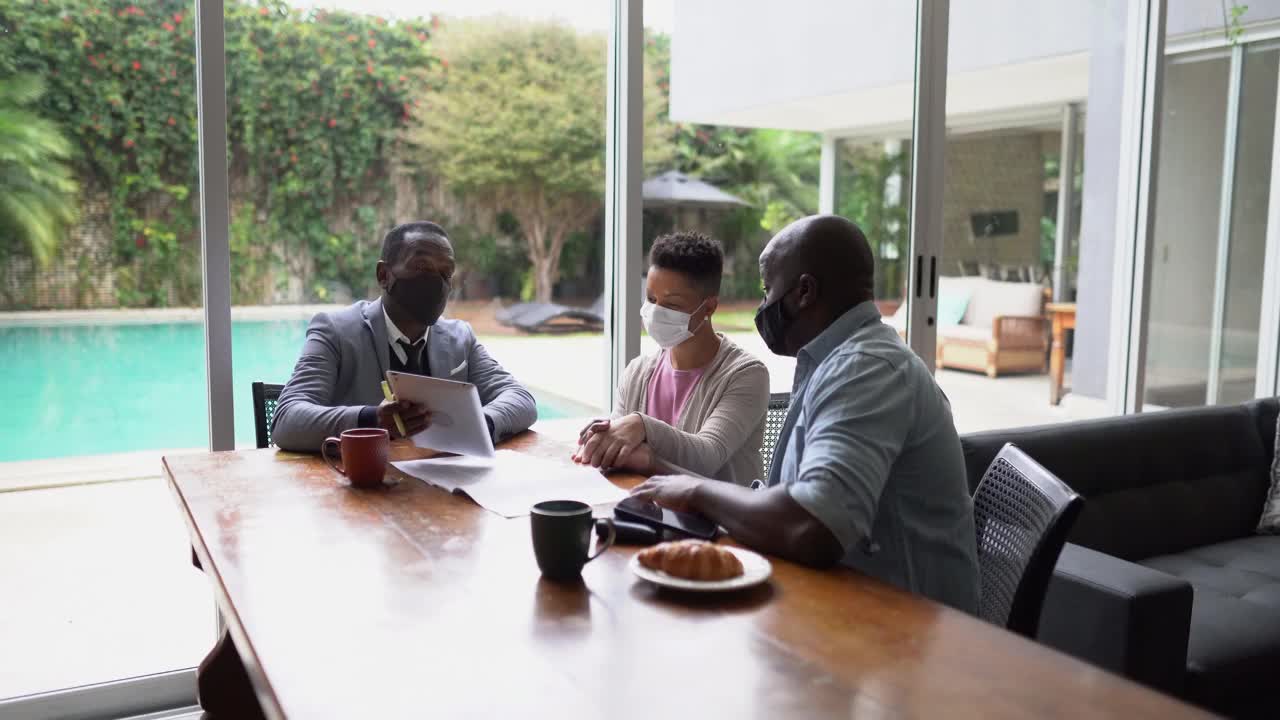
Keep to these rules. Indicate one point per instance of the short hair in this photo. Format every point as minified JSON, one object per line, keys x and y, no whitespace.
{"x":695,"y":255}
{"x":393,"y":241}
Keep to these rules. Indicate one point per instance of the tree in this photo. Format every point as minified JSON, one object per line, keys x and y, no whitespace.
{"x":37,"y":188}
{"x":520,"y":128}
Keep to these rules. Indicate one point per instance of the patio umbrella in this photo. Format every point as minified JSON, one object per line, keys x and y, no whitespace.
{"x":673,"y":188}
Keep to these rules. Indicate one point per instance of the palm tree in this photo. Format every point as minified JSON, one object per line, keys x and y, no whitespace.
{"x":37,"y":188}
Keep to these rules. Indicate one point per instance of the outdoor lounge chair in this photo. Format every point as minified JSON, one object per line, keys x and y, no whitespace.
{"x":536,"y":317}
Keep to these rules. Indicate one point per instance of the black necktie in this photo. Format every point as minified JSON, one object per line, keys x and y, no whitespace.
{"x":413,"y":357}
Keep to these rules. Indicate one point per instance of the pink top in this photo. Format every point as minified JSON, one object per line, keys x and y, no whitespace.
{"x":669,"y":388}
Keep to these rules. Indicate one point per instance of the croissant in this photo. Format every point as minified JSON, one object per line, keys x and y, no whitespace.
{"x":692,"y":560}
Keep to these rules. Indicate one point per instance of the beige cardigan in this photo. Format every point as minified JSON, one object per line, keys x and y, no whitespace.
{"x":721,"y":426}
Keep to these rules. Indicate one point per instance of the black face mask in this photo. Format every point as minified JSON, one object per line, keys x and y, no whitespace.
{"x":772,"y":323}
{"x":423,"y":297}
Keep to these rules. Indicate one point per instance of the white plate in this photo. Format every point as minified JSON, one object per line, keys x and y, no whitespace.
{"x":755,"y":570}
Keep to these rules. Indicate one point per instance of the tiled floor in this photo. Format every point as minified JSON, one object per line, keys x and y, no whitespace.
{"x":97,"y":585}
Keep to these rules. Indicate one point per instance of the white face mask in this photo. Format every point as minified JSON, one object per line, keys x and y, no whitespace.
{"x":667,"y":327}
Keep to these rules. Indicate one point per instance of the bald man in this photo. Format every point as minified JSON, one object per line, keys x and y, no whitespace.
{"x":868,"y":470}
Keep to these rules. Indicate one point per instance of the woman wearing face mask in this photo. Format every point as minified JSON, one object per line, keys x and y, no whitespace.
{"x":699,"y":403}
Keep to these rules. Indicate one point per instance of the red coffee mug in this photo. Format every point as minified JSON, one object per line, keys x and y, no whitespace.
{"x":364,"y":455}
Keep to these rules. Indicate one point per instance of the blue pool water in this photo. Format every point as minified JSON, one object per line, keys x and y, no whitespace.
{"x":88,"y":390}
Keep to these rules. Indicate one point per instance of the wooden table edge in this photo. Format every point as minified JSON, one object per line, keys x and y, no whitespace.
{"x":244,"y":646}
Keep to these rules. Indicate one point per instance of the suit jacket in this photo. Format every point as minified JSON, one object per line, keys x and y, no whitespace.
{"x":345,"y":358}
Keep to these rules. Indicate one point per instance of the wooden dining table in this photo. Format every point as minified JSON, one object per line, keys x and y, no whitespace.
{"x":408,"y":601}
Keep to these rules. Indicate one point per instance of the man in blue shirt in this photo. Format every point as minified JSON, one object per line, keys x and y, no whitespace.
{"x":868,"y":469}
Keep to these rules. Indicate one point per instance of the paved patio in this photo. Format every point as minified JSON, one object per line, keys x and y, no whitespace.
{"x":574,"y":368}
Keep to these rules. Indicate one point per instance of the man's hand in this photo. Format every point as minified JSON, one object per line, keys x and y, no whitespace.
{"x":414,"y":415}
{"x":670,"y":491}
{"x":609,"y":447}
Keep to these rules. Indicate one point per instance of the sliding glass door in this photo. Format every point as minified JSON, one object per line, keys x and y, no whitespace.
{"x":1211,"y":214}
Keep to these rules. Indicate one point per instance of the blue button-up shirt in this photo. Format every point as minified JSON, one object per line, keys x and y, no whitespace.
{"x":869,"y":448}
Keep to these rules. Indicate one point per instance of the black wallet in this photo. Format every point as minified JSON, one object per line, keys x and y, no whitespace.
{"x":630,"y":533}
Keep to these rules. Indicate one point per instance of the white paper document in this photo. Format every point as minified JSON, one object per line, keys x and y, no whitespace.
{"x":509,"y":483}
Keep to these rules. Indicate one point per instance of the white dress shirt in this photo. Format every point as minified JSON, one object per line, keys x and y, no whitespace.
{"x":394,"y":337}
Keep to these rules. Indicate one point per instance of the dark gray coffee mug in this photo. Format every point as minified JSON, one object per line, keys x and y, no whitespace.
{"x":562,"y":537}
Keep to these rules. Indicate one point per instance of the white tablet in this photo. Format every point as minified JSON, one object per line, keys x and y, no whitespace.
{"x":457,"y":423}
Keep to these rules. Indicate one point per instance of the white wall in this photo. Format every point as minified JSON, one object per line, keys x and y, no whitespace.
{"x":825,"y":65}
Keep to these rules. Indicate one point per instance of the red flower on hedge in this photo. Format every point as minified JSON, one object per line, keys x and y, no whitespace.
{"x":172,"y":121}
{"x":140,"y":242}
{"x":379,"y":84}
{"x":352,"y":38}
{"x":368,"y":68}
{"x":422,"y":37}
{"x":444,"y":63}
{"x":293,"y":158}
{"x":401,"y":78}
{"x":166,"y":26}
{"x":372,"y":43}
{"x":263,"y":11}
{"x":333,"y":123}
{"x":128,"y":142}
{"x":177,"y":18}
{"x":88,"y":44}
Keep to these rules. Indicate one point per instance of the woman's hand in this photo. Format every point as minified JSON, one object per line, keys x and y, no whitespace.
{"x":608,"y":444}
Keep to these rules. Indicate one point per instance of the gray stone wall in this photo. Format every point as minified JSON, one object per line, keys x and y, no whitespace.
{"x":992,"y":173}
{"x":80,"y":276}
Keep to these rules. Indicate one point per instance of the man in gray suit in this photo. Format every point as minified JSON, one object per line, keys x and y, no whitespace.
{"x":336,"y":384}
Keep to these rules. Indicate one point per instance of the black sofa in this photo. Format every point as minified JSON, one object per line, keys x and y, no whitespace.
{"x":1164,"y":579}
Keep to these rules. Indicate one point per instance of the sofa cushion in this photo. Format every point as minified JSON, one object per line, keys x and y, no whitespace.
{"x":964,"y":332}
{"x":990,"y":299}
{"x":1154,"y":483}
{"x":1233,"y":651}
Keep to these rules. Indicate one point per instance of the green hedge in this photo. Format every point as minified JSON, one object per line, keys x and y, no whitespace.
{"x":316,"y":104}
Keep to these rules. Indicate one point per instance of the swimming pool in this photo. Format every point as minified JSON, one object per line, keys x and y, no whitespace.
{"x":89,"y":390}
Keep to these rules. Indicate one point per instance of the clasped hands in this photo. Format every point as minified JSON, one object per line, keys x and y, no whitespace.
{"x":617,"y":444}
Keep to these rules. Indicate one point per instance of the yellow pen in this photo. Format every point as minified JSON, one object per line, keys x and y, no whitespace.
{"x":386,"y":393}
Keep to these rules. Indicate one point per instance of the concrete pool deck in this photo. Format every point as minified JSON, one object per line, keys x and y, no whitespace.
{"x":570,"y":372}
{"x":131,"y":316}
